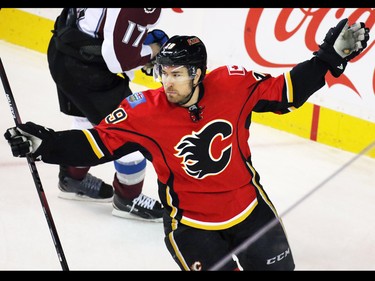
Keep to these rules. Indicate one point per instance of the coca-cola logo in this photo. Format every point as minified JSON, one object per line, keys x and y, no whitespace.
{"x":312,"y":18}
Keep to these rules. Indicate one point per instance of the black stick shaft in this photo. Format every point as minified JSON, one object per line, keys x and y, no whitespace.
{"x":34,"y":172}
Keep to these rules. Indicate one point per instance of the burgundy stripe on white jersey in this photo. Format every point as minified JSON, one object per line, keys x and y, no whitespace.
{"x":123,"y":31}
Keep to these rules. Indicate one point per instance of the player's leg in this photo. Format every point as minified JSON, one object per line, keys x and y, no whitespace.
{"x":71,"y":81}
{"x":88,"y":89}
{"x":76,"y":183}
{"x":196,"y":249}
{"x":129,"y":201}
{"x":267,"y":247}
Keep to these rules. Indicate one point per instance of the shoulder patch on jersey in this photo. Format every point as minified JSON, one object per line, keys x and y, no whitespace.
{"x":236,"y":70}
{"x":136,"y":99}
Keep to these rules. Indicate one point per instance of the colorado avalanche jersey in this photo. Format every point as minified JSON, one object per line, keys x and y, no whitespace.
{"x":123,"y":31}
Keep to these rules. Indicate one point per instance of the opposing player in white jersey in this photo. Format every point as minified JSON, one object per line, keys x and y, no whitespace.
{"x":92,"y":56}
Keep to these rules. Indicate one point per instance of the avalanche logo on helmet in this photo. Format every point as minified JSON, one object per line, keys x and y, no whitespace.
{"x":207,"y":152}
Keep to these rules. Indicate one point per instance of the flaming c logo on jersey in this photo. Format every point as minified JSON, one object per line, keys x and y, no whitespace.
{"x":208,"y":151}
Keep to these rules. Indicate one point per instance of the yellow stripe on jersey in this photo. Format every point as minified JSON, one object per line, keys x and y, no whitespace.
{"x":260,"y":189}
{"x":174,"y":209}
{"x":289,"y":87}
{"x":221,"y":225}
{"x":95,"y":147}
{"x":176,"y":250}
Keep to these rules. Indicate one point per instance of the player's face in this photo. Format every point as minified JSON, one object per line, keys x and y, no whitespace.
{"x":177,"y":83}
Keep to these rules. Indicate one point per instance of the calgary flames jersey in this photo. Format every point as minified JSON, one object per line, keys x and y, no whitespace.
{"x":205,"y":175}
{"x":204,"y":167}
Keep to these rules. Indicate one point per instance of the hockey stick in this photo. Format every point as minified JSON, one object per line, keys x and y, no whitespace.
{"x":34,"y":172}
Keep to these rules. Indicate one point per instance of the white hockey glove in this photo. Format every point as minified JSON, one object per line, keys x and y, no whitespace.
{"x":27,"y":138}
{"x":341,"y":44}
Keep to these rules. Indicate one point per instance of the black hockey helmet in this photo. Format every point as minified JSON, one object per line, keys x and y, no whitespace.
{"x":183,"y":50}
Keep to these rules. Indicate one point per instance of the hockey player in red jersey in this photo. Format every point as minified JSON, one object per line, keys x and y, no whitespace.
{"x":195,"y":131}
{"x":88,"y":49}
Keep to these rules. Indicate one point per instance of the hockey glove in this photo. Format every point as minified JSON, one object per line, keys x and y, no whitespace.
{"x":27,"y":138}
{"x":156,"y":36}
{"x":341,"y":44}
{"x":148,"y":69}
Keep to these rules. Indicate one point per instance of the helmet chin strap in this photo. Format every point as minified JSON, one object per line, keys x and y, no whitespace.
{"x":188,"y":98}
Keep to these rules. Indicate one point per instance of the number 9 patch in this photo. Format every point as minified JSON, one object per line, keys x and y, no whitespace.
{"x":116,"y":116}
